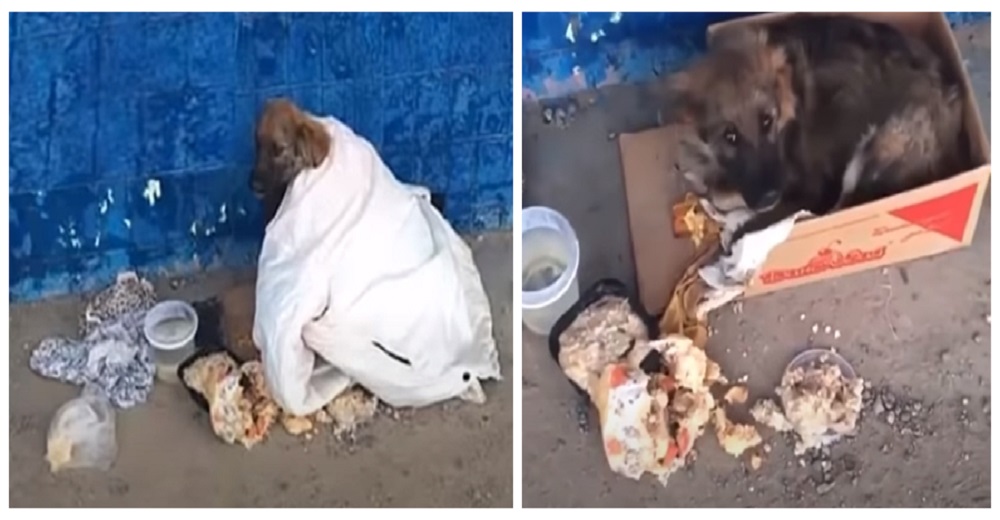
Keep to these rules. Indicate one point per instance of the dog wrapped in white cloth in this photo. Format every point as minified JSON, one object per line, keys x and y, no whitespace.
{"x":361,"y":280}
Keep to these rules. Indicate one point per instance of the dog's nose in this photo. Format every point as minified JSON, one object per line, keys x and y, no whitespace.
{"x":769,"y":199}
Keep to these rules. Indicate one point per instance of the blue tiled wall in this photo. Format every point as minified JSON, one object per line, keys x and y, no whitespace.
{"x":131,"y":134}
{"x":564,"y":53}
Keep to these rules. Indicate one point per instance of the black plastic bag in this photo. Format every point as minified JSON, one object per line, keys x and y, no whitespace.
{"x":601,"y":289}
{"x":207,"y":341}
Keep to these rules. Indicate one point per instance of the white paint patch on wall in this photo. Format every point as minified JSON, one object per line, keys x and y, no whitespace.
{"x":152,"y":191}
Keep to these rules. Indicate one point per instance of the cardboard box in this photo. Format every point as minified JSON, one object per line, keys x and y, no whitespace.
{"x":922,"y":222}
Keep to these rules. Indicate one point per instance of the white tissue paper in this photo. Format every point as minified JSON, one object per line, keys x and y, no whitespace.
{"x":729,"y":275}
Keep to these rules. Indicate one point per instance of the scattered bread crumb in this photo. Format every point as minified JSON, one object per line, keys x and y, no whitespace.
{"x":736,"y":395}
{"x":735,"y":438}
{"x":296,"y":425}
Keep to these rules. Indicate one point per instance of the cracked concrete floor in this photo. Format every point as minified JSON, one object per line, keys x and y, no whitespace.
{"x":451,"y":455}
{"x":935,"y":350}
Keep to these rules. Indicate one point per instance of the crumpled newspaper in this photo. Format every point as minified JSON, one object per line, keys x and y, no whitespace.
{"x":113,"y":355}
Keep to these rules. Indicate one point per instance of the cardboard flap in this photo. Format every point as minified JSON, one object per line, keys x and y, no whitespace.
{"x":652,"y":186}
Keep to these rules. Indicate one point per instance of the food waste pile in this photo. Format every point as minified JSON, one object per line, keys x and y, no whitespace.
{"x":242,"y":410}
{"x":657,"y":392}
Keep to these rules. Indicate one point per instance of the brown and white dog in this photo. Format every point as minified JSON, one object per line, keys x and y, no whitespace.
{"x":816,"y":113}
{"x":288,"y":141}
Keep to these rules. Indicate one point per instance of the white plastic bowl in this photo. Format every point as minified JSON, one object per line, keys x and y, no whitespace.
{"x":540,"y":308}
{"x":170,"y":328}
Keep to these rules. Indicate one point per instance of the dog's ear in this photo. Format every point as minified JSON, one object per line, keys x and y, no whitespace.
{"x":313,"y":143}
{"x":783,"y":86}
{"x":687,"y":102}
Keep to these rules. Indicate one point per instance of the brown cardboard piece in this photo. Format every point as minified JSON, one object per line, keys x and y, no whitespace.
{"x":926,"y":221}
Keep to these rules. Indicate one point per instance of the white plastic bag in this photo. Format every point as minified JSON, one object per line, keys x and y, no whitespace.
{"x":729,"y":275}
{"x":361,"y":280}
{"x":82,"y":433}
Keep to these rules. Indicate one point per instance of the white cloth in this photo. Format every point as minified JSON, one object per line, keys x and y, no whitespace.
{"x":361,"y":280}
{"x":728,"y":275}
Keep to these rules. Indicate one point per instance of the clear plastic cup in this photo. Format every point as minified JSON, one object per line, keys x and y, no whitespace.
{"x":170,"y":328}
{"x":550,"y":259}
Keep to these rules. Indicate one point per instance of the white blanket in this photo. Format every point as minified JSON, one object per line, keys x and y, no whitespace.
{"x":361,"y":280}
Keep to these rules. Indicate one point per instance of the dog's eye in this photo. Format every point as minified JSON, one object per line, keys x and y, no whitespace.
{"x":730,"y":135}
{"x":766,"y":121}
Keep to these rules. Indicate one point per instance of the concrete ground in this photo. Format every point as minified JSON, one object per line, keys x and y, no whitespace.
{"x":919,"y":331}
{"x":451,"y":455}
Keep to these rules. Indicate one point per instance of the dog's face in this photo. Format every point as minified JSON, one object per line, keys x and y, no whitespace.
{"x":737,"y":101}
{"x":288,"y":141}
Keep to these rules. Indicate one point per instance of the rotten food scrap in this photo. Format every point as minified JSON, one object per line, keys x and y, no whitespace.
{"x":736,"y":395}
{"x":349,"y":410}
{"x":650,"y":421}
{"x":820,"y":403}
{"x":242,"y":410}
{"x":691,"y":221}
{"x":599,"y":336}
{"x":734,"y":438}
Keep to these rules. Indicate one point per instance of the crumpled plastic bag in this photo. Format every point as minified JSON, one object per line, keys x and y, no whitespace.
{"x":82,"y":433}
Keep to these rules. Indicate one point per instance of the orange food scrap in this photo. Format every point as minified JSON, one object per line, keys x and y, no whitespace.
{"x":690,"y":220}
{"x":618,"y":376}
{"x":613,"y":447}
{"x":672,"y":452}
{"x":683,"y":440}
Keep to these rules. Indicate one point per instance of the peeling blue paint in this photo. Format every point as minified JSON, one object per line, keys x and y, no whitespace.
{"x":131,"y":134}
{"x":564,"y":53}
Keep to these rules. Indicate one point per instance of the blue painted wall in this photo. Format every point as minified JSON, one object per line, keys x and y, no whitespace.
{"x":565,"y":53}
{"x":131,"y":134}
